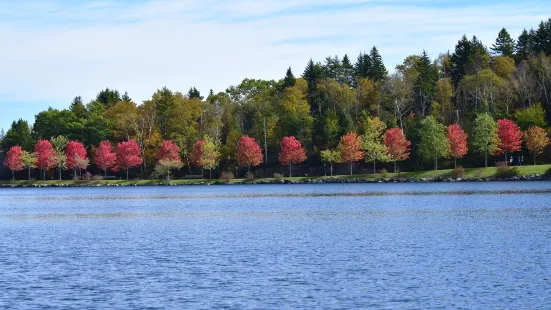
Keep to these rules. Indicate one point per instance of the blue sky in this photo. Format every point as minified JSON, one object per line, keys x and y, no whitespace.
{"x":52,"y":51}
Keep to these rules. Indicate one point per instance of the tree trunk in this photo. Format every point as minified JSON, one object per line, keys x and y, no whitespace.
{"x":59,"y":173}
{"x":486,"y":160}
{"x":290,"y":171}
{"x":435,"y":163}
{"x":394,"y":166}
{"x":210,"y":174}
{"x":105,"y":172}
{"x":13,"y":175}
{"x":374,"y":167}
{"x":331,"y":169}
{"x":249,"y":168}
{"x":350,"y":168}
{"x":455,"y":162}
{"x":127,"y":174}
{"x":505,"y":156}
{"x":534,"y":159}
{"x":29,"y":173}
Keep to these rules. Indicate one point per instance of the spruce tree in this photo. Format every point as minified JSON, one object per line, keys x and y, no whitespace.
{"x":194,"y":93}
{"x":363,"y":65}
{"x":126,"y":98}
{"x":424,"y":86}
{"x":347,"y":71}
{"x":523,"y":47}
{"x":289,"y":80}
{"x":377,"y":71}
{"x":504,"y":45}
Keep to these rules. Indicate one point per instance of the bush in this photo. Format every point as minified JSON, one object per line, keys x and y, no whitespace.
{"x":504,"y":171}
{"x":87,"y":176}
{"x":383,"y":173}
{"x":97,"y":178}
{"x":278,"y":176}
{"x":226,"y":176}
{"x":548,"y":172}
{"x":249,"y":176}
{"x":458,"y":172}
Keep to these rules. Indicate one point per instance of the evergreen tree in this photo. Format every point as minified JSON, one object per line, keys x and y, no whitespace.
{"x":504,"y":45}
{"x":78,"y":108}
{"x":363,"y":65}
{"x":470,"y":57}
{"x":377,"y":71}
{"x":126,"y":98}
{"x":18,"y":134}
{"x":108,"y":97}
{"x":289,"y":80}
{"x":424,"y":86}
{"x":542,"y":37}
{"x":347,"y":71}
{"x":333,"y":68}
{"x":194,"y":93}
{"x":524,"y":47}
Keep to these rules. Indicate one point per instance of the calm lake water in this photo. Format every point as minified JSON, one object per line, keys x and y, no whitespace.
{"x":394,"y":246}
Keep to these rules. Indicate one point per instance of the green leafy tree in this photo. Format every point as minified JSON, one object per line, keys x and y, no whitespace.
{"x":331,"y":157}
{"x":434,"y":142}
{"x":373,"y":141}
{"x":485,"y":138}
{"x":210,"y":154}
{"x":59,"y":144}
{"x":108,"y":97}
{"x":531,"y":116}
{"x":29,"y":162}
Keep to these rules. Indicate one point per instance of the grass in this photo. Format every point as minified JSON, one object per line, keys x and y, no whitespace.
{"x":469,"y":173}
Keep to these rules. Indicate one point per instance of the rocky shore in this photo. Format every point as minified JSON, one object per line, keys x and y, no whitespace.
{"x":328,"y":180}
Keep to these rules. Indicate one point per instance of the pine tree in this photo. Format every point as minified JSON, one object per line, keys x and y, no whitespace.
{"x":289,"y":80}
{"x":194,"y":93}
{"x":424,"y":88}
{"x":542,"y":38}
{"x":126,"y":98}
{"x":377,"y":71}
{"x":504,"y":45}
{"x":363,"y":65}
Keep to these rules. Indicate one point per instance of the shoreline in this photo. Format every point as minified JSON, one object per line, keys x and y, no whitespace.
{"x":321,"y":180}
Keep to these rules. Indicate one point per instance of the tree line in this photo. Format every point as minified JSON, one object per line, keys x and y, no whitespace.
{"x":422,"y":99}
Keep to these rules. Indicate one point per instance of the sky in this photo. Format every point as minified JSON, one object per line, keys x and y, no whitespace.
{"x":54,"y":50}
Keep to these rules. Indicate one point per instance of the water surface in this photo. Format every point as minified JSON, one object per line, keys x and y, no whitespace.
{"x":334,"y":246}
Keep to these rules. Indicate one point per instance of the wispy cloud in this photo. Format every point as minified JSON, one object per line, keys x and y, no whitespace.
{"x":53,"y":50}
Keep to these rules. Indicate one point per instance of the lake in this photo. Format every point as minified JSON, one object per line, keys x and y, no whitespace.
{"x":331,"y":246}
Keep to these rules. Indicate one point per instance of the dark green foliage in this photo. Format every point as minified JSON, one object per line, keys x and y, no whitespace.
{"x":289,"y":80}
{"x":542,"y":38}
{"x":347,"y":72}
{"x":164,"y":102}
{"x":78,"y":108}
{"x":194,"y":93}
{"x":505,"y":45}
{"x":363,"y":65}
{"x":504,"y":171}
{"x":470,"y":57}
{"x":377,"y":72}
{"x":18,"y":134}
{"x":424,"y":86}
{"x":108,"y":97}
{"x":126,"y":98}
{"x":524,"y":46}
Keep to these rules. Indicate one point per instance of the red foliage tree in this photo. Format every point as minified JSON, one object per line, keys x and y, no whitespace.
{"x":76,"y":156}
{"x":397,"y":145}
{"x":196,"y":153}
{"x":105,"y":157}
{"x":45,"y":156}
{"x":291,"y":153}
{"x":458,"y":142}
{"x":169,"y":151}
{"x":350,"y":147}
{"x":509,"y":137}
{"x":14,"y":159}
{"x":249,"y":152}
{"x":128,"y":155}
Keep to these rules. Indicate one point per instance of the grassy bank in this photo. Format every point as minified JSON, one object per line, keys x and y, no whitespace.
{"x":469,"y":173}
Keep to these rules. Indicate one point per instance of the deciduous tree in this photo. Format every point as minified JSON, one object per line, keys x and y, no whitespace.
{"x":104,"y":157}
{"x":46,"y":156}
{"x":59,"y":143}
{"x":434,"y":143}
{"x":485,"y":137}
{"x":458,"y":142}
{"x":291,"y":153}
{"x":128,"y":155}
{"x":372,"y":141}
{"x":510,"y":137}
{"x":350,"y":148}
{"x":169,"y":151}
{"x":536,"y":140}
{"x":210,"y":154}
{"x":249,"y":152}
{"x":76,"y":156}
{"x":14,"y":159}
{"x":331,"y":157}
{"x":29,"y":162}
{"x":397,"y":145}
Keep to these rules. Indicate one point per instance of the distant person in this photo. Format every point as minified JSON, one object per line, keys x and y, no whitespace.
{"x":522,"y":160}
{"x":511,"y":160}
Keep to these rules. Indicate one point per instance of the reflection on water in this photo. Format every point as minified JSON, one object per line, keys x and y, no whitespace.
{"x":454,"y":245}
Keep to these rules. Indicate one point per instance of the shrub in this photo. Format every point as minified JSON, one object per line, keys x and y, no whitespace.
{"x":97,"y":178}
{"x":278,"y":176}
{"x":249,"y":176}
{"x":458,"y":172}
{"x":87,"y":176}
{"x":383,"y":173}
{"x":226,"y":176}
{"x":504,"y":171}
{"x":548,"y":172}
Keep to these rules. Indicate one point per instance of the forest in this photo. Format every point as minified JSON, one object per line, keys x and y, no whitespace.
{"x":473,"y":106}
